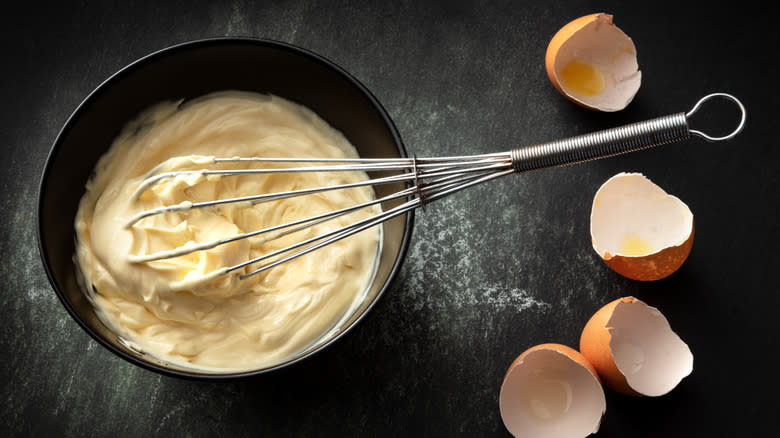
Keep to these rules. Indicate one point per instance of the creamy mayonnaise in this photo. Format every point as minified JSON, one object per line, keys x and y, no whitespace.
{"x":169,"y":308}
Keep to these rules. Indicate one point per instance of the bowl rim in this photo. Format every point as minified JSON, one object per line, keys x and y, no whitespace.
{"x":152,"y":57}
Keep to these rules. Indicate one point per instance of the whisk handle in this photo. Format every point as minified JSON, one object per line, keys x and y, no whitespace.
{"x":615,"y":141}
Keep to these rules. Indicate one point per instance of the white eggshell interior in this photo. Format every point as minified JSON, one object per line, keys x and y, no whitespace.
{"x":647,"y":352}
{"x":629,"y":204}
{"x":548,"y":394}
{"x":610,"y":51}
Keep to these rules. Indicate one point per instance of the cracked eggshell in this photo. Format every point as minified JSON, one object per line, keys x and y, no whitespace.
{"x":550,"y":390}
{"x":639,"y":230}
{"x":634,"y":350}
{"x":593,"y":63}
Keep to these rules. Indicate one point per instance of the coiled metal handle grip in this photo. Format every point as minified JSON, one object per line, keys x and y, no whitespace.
{"x":620,"y":140}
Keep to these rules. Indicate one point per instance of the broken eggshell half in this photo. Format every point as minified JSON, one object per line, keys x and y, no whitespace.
{"x":634,"y":349}
{"x":591,"y":62}
{"x":550,"y":390}
{"x":639,"y":230}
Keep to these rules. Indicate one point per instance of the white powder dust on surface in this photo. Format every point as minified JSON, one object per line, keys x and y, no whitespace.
{"x":244,"y":18}
{"x":447,"y":271}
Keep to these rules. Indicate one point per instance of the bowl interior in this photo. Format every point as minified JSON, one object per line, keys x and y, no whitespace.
{"x":187,"y":71}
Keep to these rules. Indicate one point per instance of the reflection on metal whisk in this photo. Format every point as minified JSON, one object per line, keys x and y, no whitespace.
{"x":427,"y":179}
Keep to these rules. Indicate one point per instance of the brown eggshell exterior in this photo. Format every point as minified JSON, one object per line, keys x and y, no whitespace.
{"x":557,"y":41}
{"x":594,"y":346}
{"x":568,"y":351}
{"x":653,"y":266}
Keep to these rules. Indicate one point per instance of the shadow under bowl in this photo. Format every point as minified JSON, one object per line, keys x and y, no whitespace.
{"x":187,"y":71}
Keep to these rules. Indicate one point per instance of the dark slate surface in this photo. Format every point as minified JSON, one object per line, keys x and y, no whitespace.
{"x":491,"y":271}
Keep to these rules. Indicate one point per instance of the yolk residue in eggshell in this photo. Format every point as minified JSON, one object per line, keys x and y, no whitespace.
{"x":581,"y":78}
{"x":635,"y":245}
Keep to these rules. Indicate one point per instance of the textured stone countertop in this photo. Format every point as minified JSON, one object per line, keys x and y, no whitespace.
{"x":490,"y":272}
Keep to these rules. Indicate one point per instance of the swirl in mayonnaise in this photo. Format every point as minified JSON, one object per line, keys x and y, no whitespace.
{"x":169,"y":308}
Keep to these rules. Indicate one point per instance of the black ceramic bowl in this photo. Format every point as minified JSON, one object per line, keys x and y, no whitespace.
{"x":186,"y":71}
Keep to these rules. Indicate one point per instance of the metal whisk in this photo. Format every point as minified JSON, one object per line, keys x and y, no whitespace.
{"x":427,"y":179}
